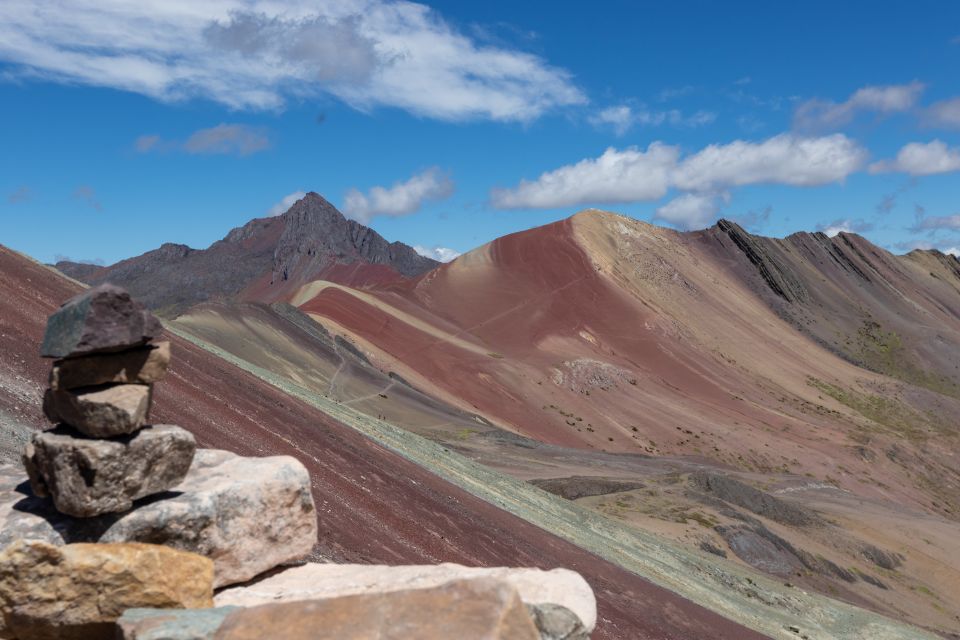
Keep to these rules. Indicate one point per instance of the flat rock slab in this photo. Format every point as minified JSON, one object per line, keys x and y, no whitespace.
{"x":311,"y":581}
{"x":101,"y":319}
{"x":139,"y":365}
{"x":100,"y":412}
{"x":478,"y":609}
{"x":248,"y":515}
{"x":78,"y":591}
{"x":88,"y":477}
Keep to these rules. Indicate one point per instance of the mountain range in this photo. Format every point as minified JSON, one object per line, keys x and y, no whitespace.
{"x":784,"y":407}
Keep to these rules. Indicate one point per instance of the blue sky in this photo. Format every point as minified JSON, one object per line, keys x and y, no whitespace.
{"x":129,"y":124}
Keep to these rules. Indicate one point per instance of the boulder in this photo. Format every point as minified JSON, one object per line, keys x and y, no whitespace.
{"x":90,"y":476}
{"x":101,"y":319}
{"x":100,"y":412}
{"x":248,"y":514}
{"x":311,"y":581}
{"x":171,"y":624}
{"x":140,"y":365}
{"x":78,"y":591}
{"x":479,"y":609}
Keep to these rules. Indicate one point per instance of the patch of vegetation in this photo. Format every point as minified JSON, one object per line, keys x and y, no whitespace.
{"x":883,"y":352}
{"x":885,"y":411}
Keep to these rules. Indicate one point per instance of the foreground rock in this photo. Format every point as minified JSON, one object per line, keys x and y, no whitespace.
{"x":88,"y":477}
{"x":311,"y":581}
{"x":479,"y":609}
{"x":100,"y":412}
{"x":141,"y":365}
{"x":102,"y":319}
{"x":248,"y":514}
{"x":78,"y":591}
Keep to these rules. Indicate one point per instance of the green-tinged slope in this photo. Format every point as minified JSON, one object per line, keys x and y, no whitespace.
{"x":754,"y":601}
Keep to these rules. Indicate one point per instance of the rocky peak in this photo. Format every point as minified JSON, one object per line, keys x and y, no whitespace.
{"x":315,"y":234}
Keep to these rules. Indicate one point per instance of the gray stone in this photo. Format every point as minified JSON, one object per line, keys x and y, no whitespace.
{"x":556,"y":622}
{"x":91,"y":476}
{"x":100,"y":412}
{"x":101,"y":319}
{"x":171,"y":624}
{"x":140,"y":365}
{"x":248,"y":515}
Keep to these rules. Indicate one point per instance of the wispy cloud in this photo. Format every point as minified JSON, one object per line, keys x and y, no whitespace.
{"x":819,"y":114}
{"x":223,"y":139}
{"x":945,"y":114}
{"x":441,"y":254}
{"x":88,"y":195}
{"x":622,"y":118}
{"x":258,"y":54}
{"x":285,"y":203}
{"x":753,"y":219}
{"x":934,"y":223}
{"x":634,"y":175}
{"x":921,"y":159}
{"x":20,"y":194}
{"x":403,"y":198}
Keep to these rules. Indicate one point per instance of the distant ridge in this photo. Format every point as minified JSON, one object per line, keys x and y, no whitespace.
{"x":262,"y":260}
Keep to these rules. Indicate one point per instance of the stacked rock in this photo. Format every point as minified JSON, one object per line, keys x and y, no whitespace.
{"x":101,"y":457}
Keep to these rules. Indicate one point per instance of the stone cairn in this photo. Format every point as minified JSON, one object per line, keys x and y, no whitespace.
{"x":101,"y":458}
{"x":130,"y":528}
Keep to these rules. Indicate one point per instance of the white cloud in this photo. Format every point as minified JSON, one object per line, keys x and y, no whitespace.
{"x":401,"y":199}
{"x":945,"y":113}
{"x":632,"y":175}
{"x":622,"y":118}
{"x":845,"y":226}
{"x":782,"y":159}
{"x":285,"y":203}
{"x":692,"y":210}
{"x":258,"y":54}
{"x":921,"y":159}
{"x":616,"y":176}
{"x":826,"y":114}
{"x":441,"y":254}
{"x":223,"y":139}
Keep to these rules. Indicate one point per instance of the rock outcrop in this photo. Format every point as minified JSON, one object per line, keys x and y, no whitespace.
{"x":78,"y":591}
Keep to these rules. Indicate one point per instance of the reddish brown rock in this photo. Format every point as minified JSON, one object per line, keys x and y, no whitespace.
{"x":100,"y":412}
{"x":102,"y":319}
{"x":141,"y":365}
{"x":78,"y":591}
{"x":479,"y":609}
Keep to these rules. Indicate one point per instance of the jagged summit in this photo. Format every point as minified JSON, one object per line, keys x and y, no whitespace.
{"x":263,"y":260}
